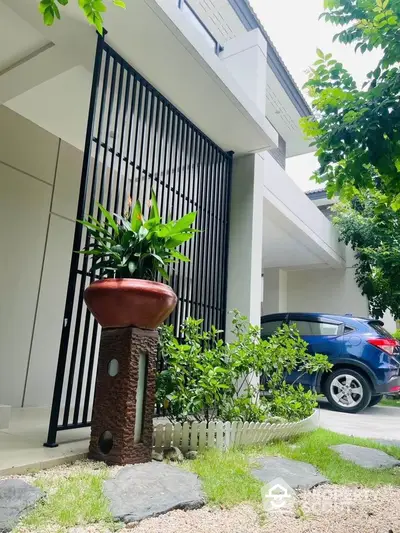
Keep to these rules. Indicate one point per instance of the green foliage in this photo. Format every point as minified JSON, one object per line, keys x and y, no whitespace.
{"x":373,"y":232}
{"x":208,"y":379}
{"x":93,"y":9}
{"x":292,"y":402}
{"x":133,"y":247}
{"x":357,"y":131}
{"x":396,"y":334}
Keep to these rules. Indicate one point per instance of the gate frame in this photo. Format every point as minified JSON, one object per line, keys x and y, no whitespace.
{"x":101,"y":46}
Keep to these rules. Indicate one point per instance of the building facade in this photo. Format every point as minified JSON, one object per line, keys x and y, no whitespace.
{"x":189,"y":98}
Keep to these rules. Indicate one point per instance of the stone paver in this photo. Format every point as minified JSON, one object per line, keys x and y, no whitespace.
{"x":365,"y":457}
{"x":16,"y":497}
{"x":296,"y":474}
{"x":151,"y":489}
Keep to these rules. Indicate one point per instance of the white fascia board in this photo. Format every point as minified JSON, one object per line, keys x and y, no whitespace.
{"x":297,"y":214}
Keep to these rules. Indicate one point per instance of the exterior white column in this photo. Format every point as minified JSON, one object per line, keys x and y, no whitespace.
{"x":275,"y":291}
{"x":245,"y":239}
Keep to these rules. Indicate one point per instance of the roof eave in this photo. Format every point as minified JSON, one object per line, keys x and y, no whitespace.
{"x":250,"y":21}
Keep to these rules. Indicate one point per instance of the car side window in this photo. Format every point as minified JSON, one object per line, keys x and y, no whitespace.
{"x":269,"y":328}
{"x":306,"y":327}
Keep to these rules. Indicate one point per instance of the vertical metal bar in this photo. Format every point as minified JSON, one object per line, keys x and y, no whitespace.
{"x":162,"y":144}
{"x":144,"y":119}
{"x":175,"y":190}
{"x":201,"y":202}
{"x":220,"y":250}
{"x":107,"y":136}
{"x":224,"y":186}
{"x":114,"y":143}
{"x":196,"y":251}
{"x":207,"y":300}
{"x":169,"y":133}
{"x":206,"y":229}
{"x":146,"y":172}
{"x":137,"y":118}
{"x":172,"y":143}
{"x":216,"y":224}
{"x":128,"y":145}
{"x":211,"y":237}
{"x":156,"y":136}
{"x":180,"y":204}
{"x":121,"y":144}
{"x":174,"y":210}
{"x":185,"y":309}
{"x":192,"y":207}
{"x":100,"y":124}
{"x":228,"y":178}
{"x":62,"y":357}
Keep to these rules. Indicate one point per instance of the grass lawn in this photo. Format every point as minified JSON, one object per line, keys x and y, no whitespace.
{"x":391,"y":402}
{"x":227,"y":480}
{"x":74,"y":493}
{"x":71,"y":500}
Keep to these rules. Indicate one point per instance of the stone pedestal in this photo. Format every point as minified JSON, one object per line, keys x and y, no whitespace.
{"x":122,"y":420}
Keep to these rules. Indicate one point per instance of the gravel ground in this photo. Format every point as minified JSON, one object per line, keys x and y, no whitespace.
{"x":326,"y":509}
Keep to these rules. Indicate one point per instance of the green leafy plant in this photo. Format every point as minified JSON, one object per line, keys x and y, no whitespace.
{"x":206,"y":378}
{"x":356,"y":130}
{"x":93,"y":9}
{"x":130,"y":246}
{"x":374,"y":236}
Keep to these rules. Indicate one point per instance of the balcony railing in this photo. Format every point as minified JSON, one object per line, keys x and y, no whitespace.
{"x":193,"y":17}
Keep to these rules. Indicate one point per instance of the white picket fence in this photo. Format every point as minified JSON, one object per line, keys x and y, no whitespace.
{"x":222,"y":435}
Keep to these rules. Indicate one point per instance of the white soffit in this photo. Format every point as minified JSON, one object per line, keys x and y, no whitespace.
{"x":18,"y":39}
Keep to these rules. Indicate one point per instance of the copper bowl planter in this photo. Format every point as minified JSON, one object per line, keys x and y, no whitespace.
{"x":125,"y":302}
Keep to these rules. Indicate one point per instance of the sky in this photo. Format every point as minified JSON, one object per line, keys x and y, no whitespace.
{"x":296,"y":32}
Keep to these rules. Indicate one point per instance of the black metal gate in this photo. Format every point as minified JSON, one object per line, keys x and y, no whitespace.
{"x":136,"y":141}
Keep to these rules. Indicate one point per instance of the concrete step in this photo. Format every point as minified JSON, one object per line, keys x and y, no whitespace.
{"x":5,"y":415}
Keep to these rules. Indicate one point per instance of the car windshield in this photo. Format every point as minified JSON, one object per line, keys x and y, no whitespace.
{"x":377,"y":326}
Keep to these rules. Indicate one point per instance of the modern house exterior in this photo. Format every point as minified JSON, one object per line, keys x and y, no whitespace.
{"x":186,"y":97}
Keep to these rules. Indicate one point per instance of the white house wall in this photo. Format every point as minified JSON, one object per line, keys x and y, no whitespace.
{"x":39,"y":181}
{"x":325,"y":291}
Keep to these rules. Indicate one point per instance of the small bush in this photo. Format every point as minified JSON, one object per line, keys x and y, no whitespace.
{"x":208,"y":379}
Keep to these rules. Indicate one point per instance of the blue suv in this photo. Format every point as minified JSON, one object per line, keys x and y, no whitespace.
{"x":365,"y":357}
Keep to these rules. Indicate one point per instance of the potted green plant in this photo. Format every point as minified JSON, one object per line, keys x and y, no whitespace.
{"x":131,"y":253}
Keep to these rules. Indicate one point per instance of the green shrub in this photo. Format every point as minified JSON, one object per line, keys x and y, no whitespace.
{"x":208,"y":379}
{"x":396,"y":334}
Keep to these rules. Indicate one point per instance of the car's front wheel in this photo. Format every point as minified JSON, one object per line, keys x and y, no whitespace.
{"x":348,"y":391}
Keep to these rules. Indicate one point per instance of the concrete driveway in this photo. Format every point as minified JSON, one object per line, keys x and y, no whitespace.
{"x":380,"y":422}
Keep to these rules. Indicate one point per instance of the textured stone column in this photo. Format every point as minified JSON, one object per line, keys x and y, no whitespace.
{"x":122,"y":420}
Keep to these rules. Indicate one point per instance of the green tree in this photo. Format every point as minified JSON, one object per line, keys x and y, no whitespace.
{"x":356,"y":131}
{"x":93,"y":9}
{"x":374,"y":234}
